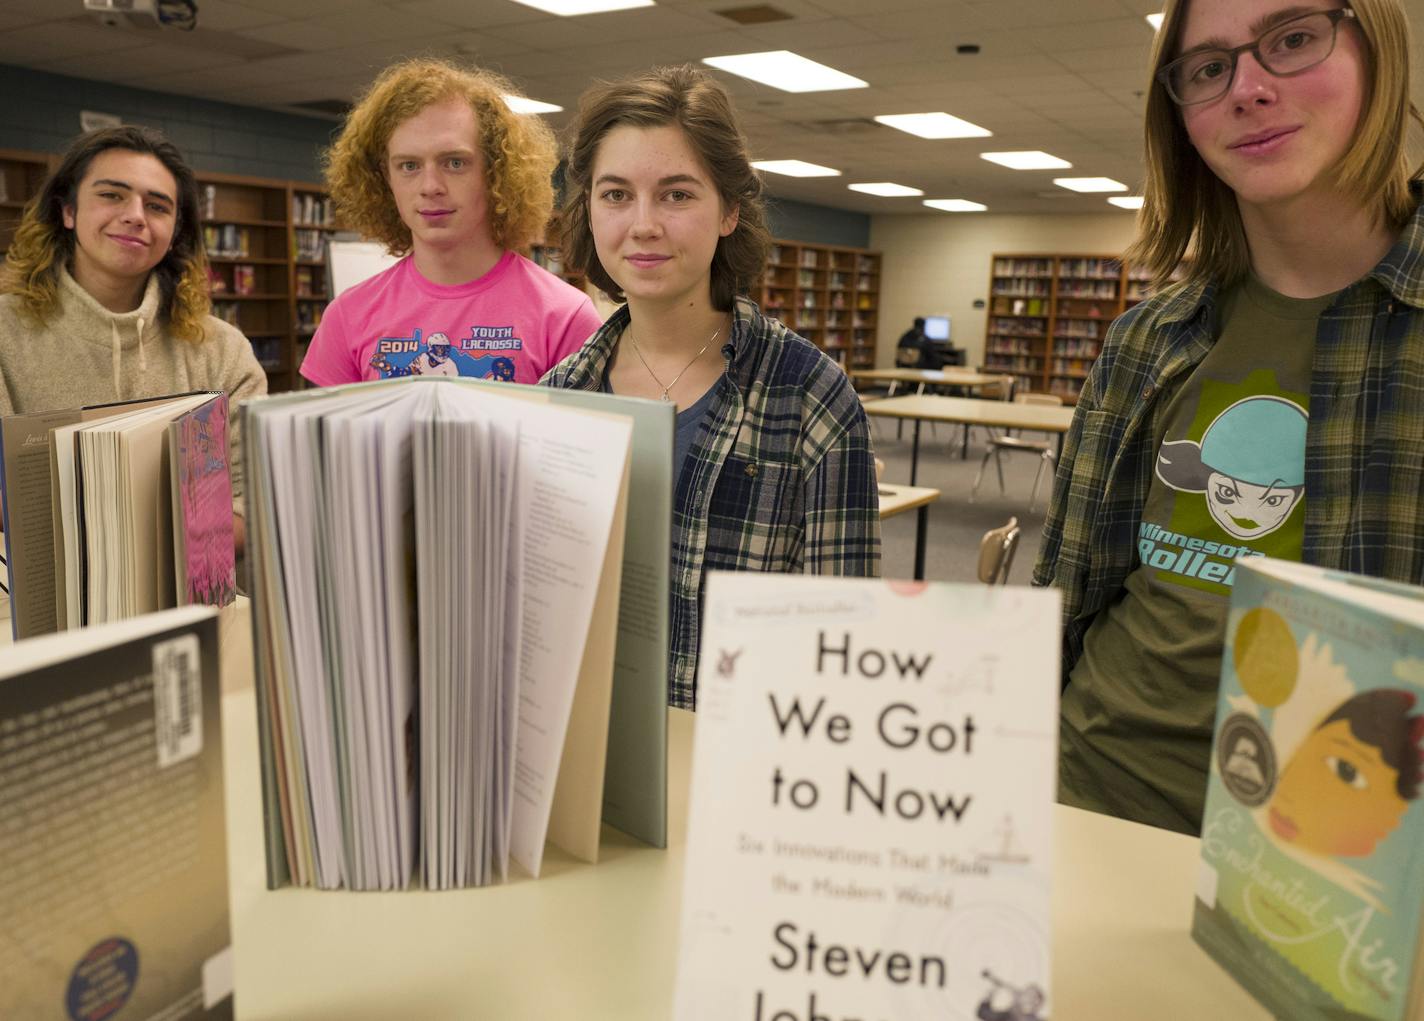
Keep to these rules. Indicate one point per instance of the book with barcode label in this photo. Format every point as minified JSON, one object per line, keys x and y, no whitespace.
{"x":1311,"y":886}
{"x":113,"y":860}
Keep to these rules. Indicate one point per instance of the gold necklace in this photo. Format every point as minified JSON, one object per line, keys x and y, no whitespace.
{"x":667,"y":398}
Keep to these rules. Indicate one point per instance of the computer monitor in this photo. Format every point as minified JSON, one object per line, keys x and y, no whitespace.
{"x":937,"y":327}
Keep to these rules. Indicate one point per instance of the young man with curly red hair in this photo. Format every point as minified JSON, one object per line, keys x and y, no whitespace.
{"x":433,"y":164}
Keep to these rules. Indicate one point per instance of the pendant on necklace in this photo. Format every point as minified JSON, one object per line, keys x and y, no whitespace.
{"x":666,"y":398}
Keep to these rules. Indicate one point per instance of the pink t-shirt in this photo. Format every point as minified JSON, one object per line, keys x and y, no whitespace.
{"x":516,"y":322}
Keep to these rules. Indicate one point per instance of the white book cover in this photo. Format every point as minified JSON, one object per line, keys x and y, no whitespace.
{"x":870,"y":825}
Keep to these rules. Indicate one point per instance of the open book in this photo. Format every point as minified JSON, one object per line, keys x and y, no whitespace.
{"x":113,"y":851}
{"x":116,"y":510}
{"x":1311,"y":889}
{"x":437,"y":568}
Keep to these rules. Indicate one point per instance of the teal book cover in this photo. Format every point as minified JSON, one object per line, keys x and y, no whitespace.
{"x":1312,"y":875}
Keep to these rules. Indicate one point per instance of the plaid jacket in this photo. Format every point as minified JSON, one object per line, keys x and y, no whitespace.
{"x":1364,"y":461}
{"x":780,"y":478}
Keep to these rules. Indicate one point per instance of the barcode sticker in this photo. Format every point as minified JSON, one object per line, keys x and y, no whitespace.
{"x":177,"y":699}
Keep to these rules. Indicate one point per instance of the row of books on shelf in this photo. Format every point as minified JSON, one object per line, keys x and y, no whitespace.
{"x":1008,"y":346}
{"x":1006,"y":306}
{"x":1023,"y":267}
{"x":228,"y":312}
{"x":1065,"y":387}
{"x":1072,"y":366}
{"x":310,"y":282}
{"x":309,"y":245}
{"x":1021,"y":287}
{"x":243,"y":280}
{"x":1075,"y":327}
{"x":1016,"y":327}
{"x":309,"y":315}
{"x":1087,"y":288}
{"x":316,"y":210}
{"x":433,"y":722}
{"x":1082,"y":348}
{"x":1012,"y":363}
{"x":227,"y":240}
{"x":269,"y":352}
{"x":1103,"y":269}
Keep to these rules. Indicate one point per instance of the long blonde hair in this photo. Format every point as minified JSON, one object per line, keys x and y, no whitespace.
{"x":42,"y":243}
{"x":519,"y":153}
{"x":1184,"y":202}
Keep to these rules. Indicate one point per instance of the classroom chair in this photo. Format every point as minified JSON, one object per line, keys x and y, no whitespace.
{"x":1007,"y":442}
{"x":996,"y":553}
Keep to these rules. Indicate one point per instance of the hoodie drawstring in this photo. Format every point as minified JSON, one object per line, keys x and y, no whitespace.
{"x":117,"y":356}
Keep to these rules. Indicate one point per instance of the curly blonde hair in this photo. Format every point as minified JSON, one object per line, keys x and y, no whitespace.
{"x":42,"y":243}
{"x":519,"y":153}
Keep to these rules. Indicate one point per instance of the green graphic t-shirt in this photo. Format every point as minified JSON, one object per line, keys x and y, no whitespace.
{"x":1229,"y":481}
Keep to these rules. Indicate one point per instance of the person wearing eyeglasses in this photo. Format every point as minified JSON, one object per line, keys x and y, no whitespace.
{"x":1269,"y":404}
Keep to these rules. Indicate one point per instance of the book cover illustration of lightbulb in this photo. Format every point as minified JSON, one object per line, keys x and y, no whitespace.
{"x":1312,"y":858}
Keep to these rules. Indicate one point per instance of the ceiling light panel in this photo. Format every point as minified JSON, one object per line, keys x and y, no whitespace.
{"x":956,"y":205}
{"x":795,"y":168}
{"x":1089,"y":184}
{"x":1155,"y":20}
{"x":933,"y":125}
{"x":1126,"y":201}
{"x":1028,"y":159}
{"x":573,"y":8}
{"x":885,"y":189}
{"x":523,"y":104}
{"x":784,"y":70}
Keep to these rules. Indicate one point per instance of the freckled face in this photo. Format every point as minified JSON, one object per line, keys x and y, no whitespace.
{"x":437,"y":176}
{"x":655,"y":214}
{"x":1273,"y":139}
{"x":1336,"y":796}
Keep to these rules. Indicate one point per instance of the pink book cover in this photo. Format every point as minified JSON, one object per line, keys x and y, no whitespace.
{"x":202,"y":505}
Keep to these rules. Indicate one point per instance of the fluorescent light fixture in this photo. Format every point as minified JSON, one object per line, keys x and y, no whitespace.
{"x":933,"y":125}
{"x":571,"y":8}
{"x":1089,"y":184}
{"x":523,"y":104}
{"x":1155,"y":20}
{"x":1126,"y":201}
{"x":795,"y":168}
{"x":784,"y":70}
{"x":885,"y":189}
{"x":1029,"y":159}
{"x":956,"y":205}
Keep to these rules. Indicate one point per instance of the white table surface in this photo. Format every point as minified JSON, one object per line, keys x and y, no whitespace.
{"x":591,"y":942}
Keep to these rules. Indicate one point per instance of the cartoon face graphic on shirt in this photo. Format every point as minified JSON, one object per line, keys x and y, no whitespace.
{"x":1246,"y":510}
{"x":1249,"y":465}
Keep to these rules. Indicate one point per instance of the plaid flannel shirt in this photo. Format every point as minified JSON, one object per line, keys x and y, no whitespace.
{"x":780,"y":478}
{"x":1364,"y":446}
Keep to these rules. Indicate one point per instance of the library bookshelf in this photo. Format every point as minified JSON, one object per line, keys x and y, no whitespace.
{"x":1048,"y":315}
{"x":267,"y":264}
{"x":22,"y":174}
{"x":828,"y":294}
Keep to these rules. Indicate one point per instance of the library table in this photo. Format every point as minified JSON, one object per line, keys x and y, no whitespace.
{"x":899,"y":499}
{"x":969,"y":411}
{"x":599,"y":942}
{"x":950,"y":376}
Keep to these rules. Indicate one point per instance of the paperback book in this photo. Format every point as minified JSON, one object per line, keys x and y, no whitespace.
{"x":870,"y":824}
{"x":1311,"y":889}
{"x":445,"y":587}
{"x":116,"y":510}
{"x":113,"y":854}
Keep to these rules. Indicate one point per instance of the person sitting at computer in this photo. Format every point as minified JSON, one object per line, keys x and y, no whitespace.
{"x":915,"y":350}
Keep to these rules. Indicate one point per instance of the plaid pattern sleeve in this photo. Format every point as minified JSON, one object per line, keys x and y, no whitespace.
{"x":781,"y":477}
{"x":1364,"y":474}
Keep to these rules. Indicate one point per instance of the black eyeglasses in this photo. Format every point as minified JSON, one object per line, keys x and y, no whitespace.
{"x":1290,"y":48}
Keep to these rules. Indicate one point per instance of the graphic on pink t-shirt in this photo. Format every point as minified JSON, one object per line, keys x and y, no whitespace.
{"x":438,"y":356}
{"x":514,"y":323}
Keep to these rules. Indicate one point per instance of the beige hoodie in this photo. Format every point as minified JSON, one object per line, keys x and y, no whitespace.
{"x":86,"y":354}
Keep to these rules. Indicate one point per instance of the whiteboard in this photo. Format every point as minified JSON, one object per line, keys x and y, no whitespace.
{"x":350,"y":262}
